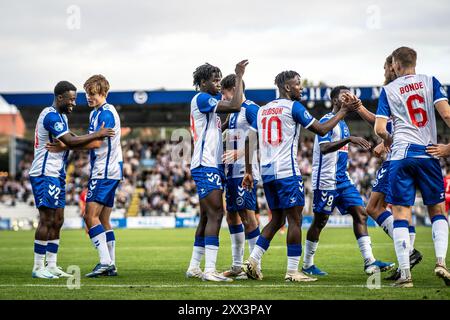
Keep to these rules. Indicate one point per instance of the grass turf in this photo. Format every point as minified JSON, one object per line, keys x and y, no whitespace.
{"x":152,"y":265}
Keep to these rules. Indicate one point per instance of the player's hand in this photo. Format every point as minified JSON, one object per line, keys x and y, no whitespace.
{"x":247,"y":181}
{"x":379,"y":150}
{"x":350,"y":102}
{"x":230,"y":156}
{"x":387,"y":143}
{"x":56,"y":146}
{"x":240,"y":68}
{"x":105,"y":132}
{"x":439,"y":150}
{"x":361,"y":142}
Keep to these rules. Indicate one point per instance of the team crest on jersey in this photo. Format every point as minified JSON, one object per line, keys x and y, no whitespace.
{"x":212,"y":102}
{"x":307,"y":115}
{"x":59,"y":126}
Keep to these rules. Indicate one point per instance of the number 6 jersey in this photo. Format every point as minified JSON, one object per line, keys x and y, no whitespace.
{"x":410,"y":101}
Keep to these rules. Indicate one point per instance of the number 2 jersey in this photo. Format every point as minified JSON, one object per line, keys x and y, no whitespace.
{"x":206,"y":131}
{"x":278,"y":124}
{"x":410,"y":101}
{"x":50,"y":125}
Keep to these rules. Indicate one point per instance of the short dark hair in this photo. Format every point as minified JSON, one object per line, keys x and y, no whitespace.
{"x":406,"y":56}
{"x":284,"y":76}
{"x":63,"y":86}
{"x":229,"y":82}
{"x":336,"y":90}
{"x":204,"y":72}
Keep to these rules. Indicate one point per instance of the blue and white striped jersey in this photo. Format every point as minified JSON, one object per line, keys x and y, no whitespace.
{"x":50,"y":125}
{"x":238,"y":127}
{"x":206,"y":131}
{"x":410,"y":101}
{"x":329,"y":170}
{"x":278,"y":125}
{"x":106,"y":161}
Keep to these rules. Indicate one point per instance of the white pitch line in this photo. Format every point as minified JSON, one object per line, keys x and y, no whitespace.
{"x":291,"y":286}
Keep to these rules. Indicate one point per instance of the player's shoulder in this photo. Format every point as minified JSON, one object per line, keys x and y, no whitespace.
{"x":49,"y":114}
{"x":108,"y":106}
{"x":327,"y":116}
{"x":202,"y":96}
{"x":204,"y":99}
{"x":47,"y":110}
{"x":250,"y":103}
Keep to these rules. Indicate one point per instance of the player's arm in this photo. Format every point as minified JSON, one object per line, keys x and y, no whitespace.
{"x":441,"y":101}
{"x":380,"y":130}
{"x":365,"y":114}
{"x":59,"y":130}
{"x":234,"y":105}
{"x":73,"y":141}
{"x":383,"y":114}
{"x":59,"y":146}
{"x":379,"y":150}
{"x":322,"y":128}
{"x":251,"y":148}
{"x":328,"y":147}
{"x":77,"y":141}
{"x":444,"y":110}
{"x":226,"y":123}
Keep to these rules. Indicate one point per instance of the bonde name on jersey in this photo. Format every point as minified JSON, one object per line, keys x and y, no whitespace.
{"x":411,"y":87}
{"x":271,"y":111}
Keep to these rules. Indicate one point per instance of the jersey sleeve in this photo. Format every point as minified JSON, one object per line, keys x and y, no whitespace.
{"x":383,"y":110}
{"x":55,"y":125}
{"x":251,"y":113}
{"x":206,"y":103}
{"x":328,"y":136}
{"x":301,"y":115}
{"x":107,"y":118}
{"x":438,"y":91}
{"x":389,"y":127}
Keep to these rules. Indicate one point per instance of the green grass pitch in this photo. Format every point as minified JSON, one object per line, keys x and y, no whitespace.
{"x":152,"y":263}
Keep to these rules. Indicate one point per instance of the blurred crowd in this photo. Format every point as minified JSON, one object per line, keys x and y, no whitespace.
{"x":164,"y":186}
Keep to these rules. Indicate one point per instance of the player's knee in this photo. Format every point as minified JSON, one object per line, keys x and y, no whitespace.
{"x":294,"y":220}
{"x":279,"y":223}
{"x":371,"y":209}
{"x":320,"y":221}
{"x":232,"y":218}
{"x":215,"y":217}
{"x":361,"y":216}
{"x":58,"y":223}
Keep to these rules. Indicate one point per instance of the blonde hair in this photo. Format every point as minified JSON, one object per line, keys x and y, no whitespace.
{"x":96,"y":84}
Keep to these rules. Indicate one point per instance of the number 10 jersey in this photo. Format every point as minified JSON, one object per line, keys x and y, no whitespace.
{"x":278,"y":125}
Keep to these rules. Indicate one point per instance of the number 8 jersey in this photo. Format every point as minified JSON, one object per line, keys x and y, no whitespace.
{"x":410,"y":101}
{"x":278,"y":125}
